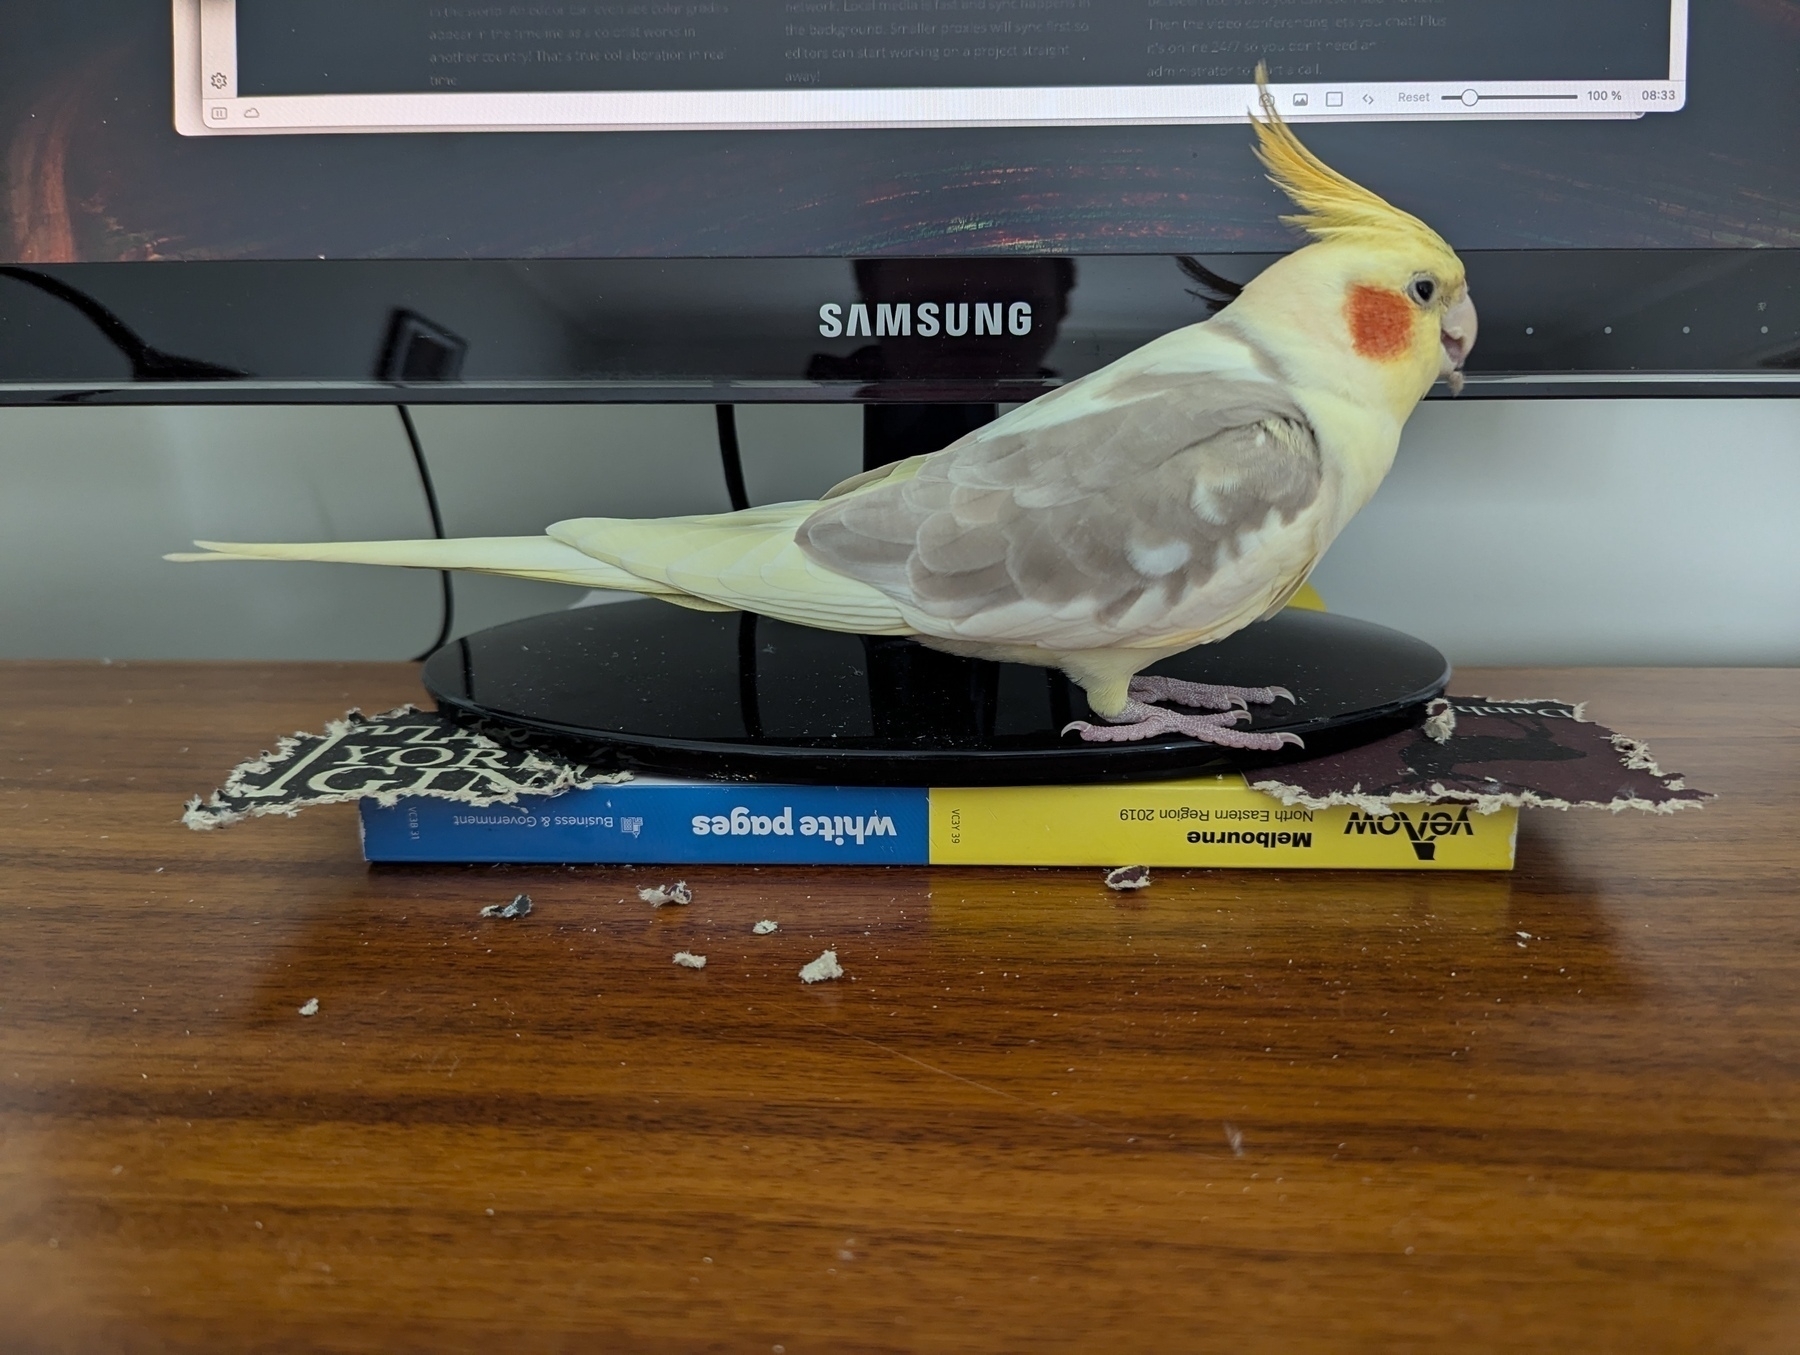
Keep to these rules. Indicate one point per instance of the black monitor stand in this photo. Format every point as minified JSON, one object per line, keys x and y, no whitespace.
{"x":894,"y":432}
{"x":652,"y":688}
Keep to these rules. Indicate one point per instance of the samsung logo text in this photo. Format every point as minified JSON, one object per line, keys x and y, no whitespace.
{"x":927,"y":320}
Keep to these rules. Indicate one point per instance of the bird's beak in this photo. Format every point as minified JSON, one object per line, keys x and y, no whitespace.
{"x":1457,"y":335}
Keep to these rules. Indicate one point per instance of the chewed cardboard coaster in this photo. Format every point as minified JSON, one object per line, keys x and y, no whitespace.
{"x":1490,"y":754}
{"x":383,"y":757}
{"x":1487,"y":753}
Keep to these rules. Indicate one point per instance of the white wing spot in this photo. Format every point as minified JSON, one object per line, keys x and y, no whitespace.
{"x":1156,"y":561}
{"x":1206,"y":505}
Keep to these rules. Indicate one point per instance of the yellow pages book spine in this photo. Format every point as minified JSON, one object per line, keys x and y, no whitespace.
{"x":1215,"y":821}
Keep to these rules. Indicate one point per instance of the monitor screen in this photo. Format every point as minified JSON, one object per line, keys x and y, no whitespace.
{"x":560,"y":141}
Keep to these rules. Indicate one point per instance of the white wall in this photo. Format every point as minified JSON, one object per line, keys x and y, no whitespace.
{"x":1555,"y":532}
{"x":1629,"y":532}
{"x":91,"y":498}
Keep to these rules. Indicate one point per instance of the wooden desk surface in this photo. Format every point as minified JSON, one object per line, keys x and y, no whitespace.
{"x":1008,"y":1132}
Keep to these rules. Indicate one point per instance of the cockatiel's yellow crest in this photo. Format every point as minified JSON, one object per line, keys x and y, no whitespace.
{"x":1331,"y":206}
{"x":1162,"y":502}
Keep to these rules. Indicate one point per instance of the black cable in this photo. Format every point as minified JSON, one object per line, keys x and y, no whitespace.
{"x":731,"y":458}
{"x":148,"y":363}
{"x":749,"y":703}
{"x":733,"y":462}
{"x":437,"y":530}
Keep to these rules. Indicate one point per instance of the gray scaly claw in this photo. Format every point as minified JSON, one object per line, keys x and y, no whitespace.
{"x":1203,"y":695}
{"x":1138,"y":721}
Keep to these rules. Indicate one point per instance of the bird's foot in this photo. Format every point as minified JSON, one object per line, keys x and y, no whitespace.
{"x":1138,"y":721}
{"x":1203,"y":695}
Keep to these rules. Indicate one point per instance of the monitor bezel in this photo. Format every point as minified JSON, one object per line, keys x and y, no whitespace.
{"x":202,"y":314}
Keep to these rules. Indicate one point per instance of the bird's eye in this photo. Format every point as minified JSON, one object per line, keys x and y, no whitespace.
{"x":1422,"y":290}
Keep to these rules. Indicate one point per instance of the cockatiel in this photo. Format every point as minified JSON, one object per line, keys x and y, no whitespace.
{"x":1162,"y":502}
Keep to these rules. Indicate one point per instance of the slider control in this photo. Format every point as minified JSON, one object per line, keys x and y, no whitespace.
{"x":1470,"y":97}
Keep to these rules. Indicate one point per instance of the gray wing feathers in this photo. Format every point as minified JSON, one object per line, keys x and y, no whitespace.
{"x":1150,"y":492}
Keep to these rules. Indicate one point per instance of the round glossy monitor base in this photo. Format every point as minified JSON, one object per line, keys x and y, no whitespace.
{"x":654,"y":688}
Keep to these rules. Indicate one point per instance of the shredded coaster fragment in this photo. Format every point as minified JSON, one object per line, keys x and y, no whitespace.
{"x":1491,"y":754}
{"x":821,"y":969}
{"x":659,"y":895}
{"x":1128,"y":877}
{"x":519,"y":907}
{"x":402,"y":752}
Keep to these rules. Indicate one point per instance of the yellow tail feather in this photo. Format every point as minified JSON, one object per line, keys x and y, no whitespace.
{"x":516,"y":557}
{"x":747,"y":560}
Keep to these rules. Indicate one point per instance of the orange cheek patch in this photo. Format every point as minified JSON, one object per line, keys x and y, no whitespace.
{"x":1380,"y":322}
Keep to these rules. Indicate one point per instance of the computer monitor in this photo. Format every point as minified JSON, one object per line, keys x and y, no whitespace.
{"x":912,"y":201}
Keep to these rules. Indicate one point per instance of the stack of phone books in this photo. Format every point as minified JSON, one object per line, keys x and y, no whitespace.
{"x":1210,"y":821}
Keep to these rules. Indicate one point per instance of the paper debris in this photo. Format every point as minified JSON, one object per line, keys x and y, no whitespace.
{"x":764,"y":927}
{"x":1440,"y":721}
{"x":1128,"y":877}
{"x":310,"y":1007}
{"x":825,"y":967}
{"x":376,"y":757}
{"x":1535,"y":752}
{"x":519,"y":907}
{"x":687,"y":961}
{"x":657,"y":895}
{"x":1235,"y":1137}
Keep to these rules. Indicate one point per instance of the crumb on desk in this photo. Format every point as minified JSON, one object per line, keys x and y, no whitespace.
{"x":657,"y":895}
{"x":690,"y":961}
{"x":1128,"y":877}
{"x":519,"y":907}
{"x":825,"y":967}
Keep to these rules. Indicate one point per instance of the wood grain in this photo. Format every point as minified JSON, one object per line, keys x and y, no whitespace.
{"x":1010,"y":1129}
